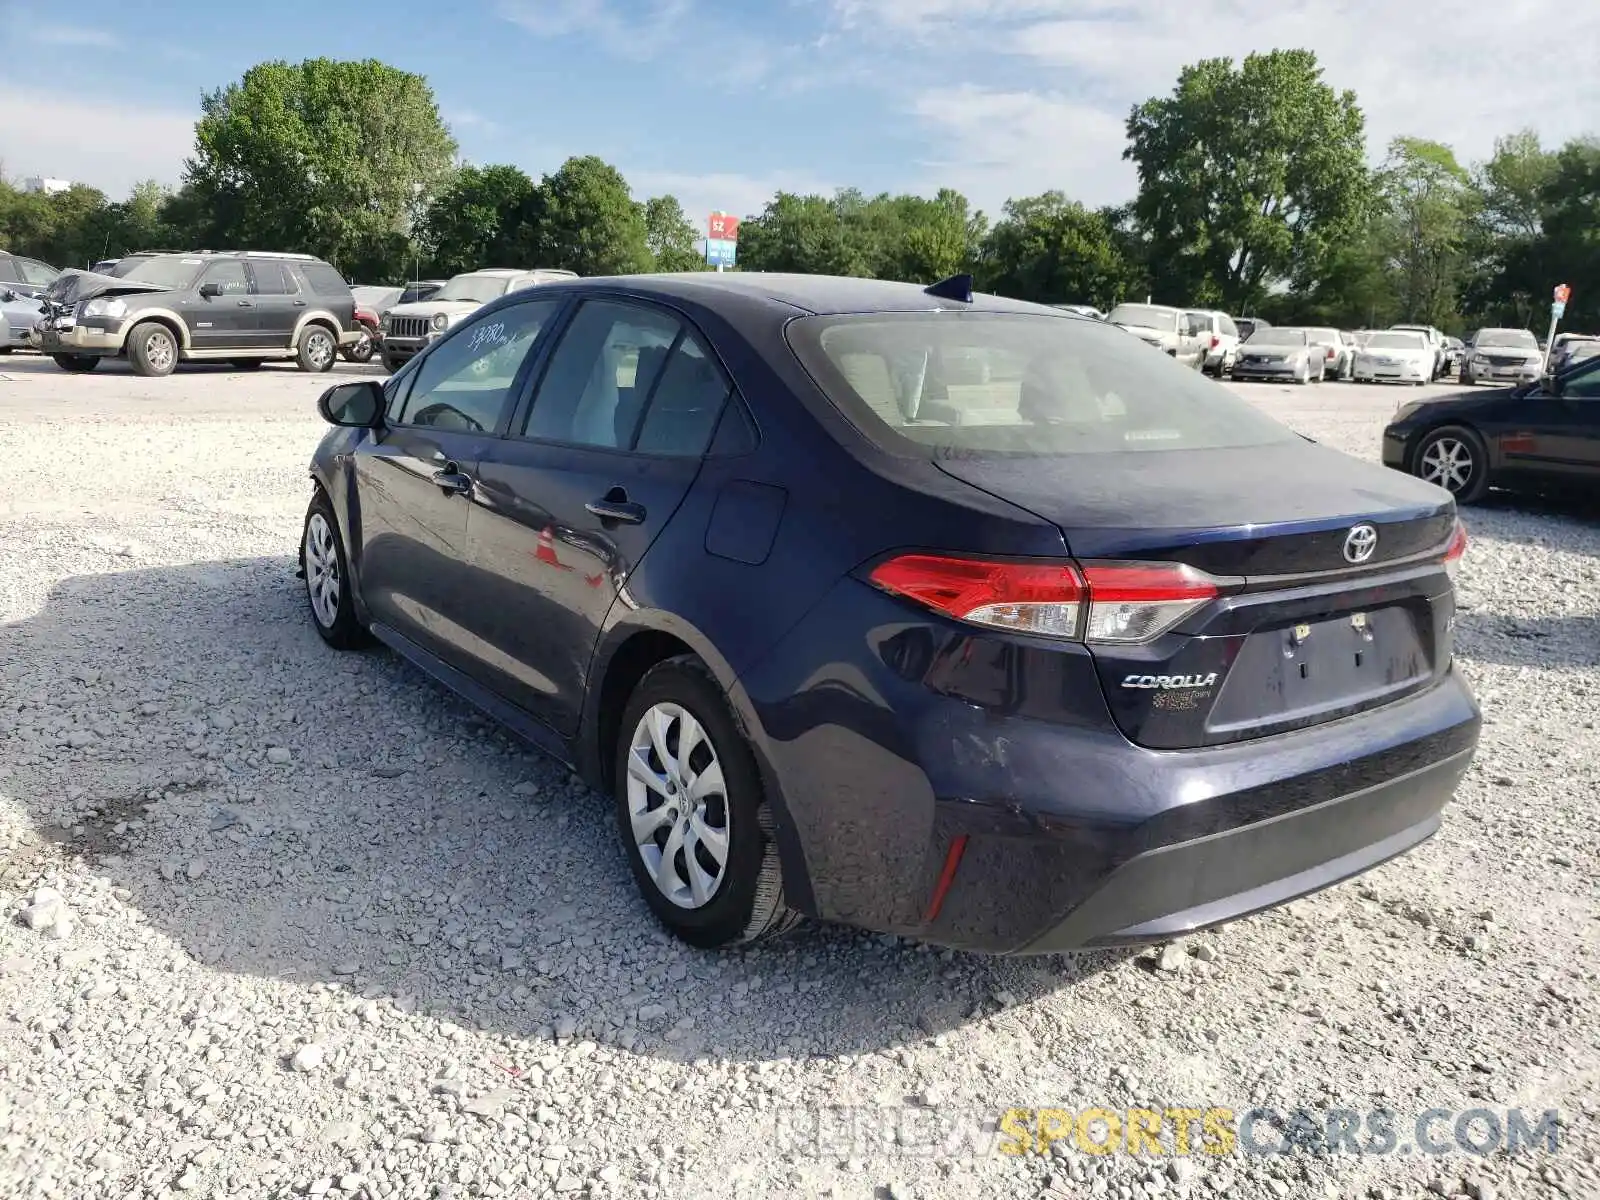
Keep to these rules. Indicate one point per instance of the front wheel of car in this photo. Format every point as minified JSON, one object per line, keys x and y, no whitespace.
{"x":392,"y":364}
{"x":78,"y":364}
{"x":692,"y":812}
{"x":327,"y":576}
{"x":316,"y":350}
{"x":1454,"y":458}
{"x":153,"y":349}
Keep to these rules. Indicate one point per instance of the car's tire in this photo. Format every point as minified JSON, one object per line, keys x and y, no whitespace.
{"x":1455,"y":458}
{"x":317,"y":350}
{"x":153,"y":349}
{"x":744,"y":900}
{"x":329,"y":594}
{"x":362,"y":350}
{"x":1467,"y":380}
{"x":77,"y":364}
{"x":392,"y":365}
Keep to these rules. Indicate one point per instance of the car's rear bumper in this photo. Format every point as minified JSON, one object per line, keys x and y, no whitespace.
{"x":923,"y":762}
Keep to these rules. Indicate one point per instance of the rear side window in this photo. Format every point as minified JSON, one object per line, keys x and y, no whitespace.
{"x":683,"y":407}
{"x":272,"y":279}
{"x":951,"y":384}
{"x":324,"y":280}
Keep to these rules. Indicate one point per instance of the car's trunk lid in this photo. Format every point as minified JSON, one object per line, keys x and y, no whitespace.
{"x":1302,"y":631}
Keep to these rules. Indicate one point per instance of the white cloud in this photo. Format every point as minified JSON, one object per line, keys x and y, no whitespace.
{"x":703,"y":194}
{"x":108,"y":144}
{"x":68,"y":35}
{"x":1457,"y":71}
{"x":638,"y":30}
{"x":1001,"y":144}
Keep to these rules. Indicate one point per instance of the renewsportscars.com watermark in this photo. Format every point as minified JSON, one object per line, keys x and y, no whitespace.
{"x":844,"y":1131}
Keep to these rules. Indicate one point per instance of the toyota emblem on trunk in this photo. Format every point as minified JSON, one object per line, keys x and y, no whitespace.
{"x":1359,"y":543}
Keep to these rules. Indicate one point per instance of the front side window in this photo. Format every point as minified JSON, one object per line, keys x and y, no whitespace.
{"x":600,"y":375}
{"x":229,"y":276}
{"x":1583,"y":383}
{"x":464,"y":381}
{"x":953,"y":384}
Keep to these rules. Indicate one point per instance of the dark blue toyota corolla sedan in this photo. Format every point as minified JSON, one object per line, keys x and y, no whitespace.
{"x":952,"y":616}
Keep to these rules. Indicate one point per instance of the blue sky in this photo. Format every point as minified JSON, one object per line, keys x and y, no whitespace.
{"x":724,"y":102}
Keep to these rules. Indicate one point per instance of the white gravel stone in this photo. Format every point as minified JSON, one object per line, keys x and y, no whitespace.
{"x":349,"y":813}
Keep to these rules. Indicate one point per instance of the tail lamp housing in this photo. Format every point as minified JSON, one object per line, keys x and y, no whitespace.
{"x":1103,"y":603}
{"x":1455,"y":549}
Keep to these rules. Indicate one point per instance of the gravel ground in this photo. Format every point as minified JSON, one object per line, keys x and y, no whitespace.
{"x":280,"y":921}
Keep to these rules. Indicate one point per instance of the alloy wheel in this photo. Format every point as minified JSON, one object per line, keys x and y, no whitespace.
{"x":159,"y":351}
{"x":678,"y":805}
{"x":319,"y":349}
{"x":1447,"y":462}
{"x":322,"y":570}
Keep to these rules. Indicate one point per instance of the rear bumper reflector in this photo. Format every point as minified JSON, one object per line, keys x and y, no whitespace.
{"x":952,"y":861}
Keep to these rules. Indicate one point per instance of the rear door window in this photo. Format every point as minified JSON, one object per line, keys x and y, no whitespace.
{"x":229,"y":275}
{"x":272,"y":279}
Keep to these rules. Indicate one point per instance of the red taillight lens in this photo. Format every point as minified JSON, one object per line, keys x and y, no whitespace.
{"x":1456,"y":548}
{"x":1215,"y":341}
{"x":1332,"y":353}
{"x":1134,"y":602}
{"x":1024,"y":597}
{"x":1126,"y":603}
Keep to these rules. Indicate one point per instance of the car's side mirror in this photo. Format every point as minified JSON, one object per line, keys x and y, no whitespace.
{"x":210,"y":290}
{"x":10,"y":294}
{"x":357,"y":405}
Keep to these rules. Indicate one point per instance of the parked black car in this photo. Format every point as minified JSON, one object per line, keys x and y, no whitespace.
{"x":1542,"y":436}
{"x":25,"y":276}
{"x":954,"y":616}
{"x":244,"y":307}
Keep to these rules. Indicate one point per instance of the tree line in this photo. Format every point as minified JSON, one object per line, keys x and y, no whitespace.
{"x":1254,"y":196}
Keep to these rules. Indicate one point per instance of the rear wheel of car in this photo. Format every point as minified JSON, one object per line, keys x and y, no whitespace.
{"x":152,"y":349}
{"x":327,"y":576}
{"x":78,"y":364}
{"x":317,"y":349}
{"x":692,"y":812}
{"x":362,"y":349}
{"x":1454,"y":457}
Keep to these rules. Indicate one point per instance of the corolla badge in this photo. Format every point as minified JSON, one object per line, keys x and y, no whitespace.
{"x":1360,"y":543}
{"x":1169,"y":682}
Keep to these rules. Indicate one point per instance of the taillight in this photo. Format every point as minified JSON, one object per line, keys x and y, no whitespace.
{"x":1215,"y":341}
{"x":1121,"y":603}
{"x":1135,"y":602}
{"x":1456,"y":548}
{"x":1331,"y":353}
{"x":1022,"y":597}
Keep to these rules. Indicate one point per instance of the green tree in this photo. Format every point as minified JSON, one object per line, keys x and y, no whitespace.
{"x":479,"y":219}
{"x":670,"y":236}
{"x":1055,"y":251}
{"x":588,"y":221}
{"x":321,"y":156}
{"x":922,"y":240}
{"x":1430,"y":206}
{"x":1511,"y":185}
{"x":810,"y":234}
{"x":1248,"y":176}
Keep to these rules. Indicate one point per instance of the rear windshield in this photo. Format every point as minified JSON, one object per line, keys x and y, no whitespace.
{"x":1397,"y":341}
{"x":1145,"y":316}
{"x":957,"y":383}
{"x":1276,"y":337}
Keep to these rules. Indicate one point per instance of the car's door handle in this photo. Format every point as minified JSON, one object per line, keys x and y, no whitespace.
{"x":615,"y":508}
{"x":247,"y":304}
{"x":299,"y":303}
{"x":452,"y":480}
